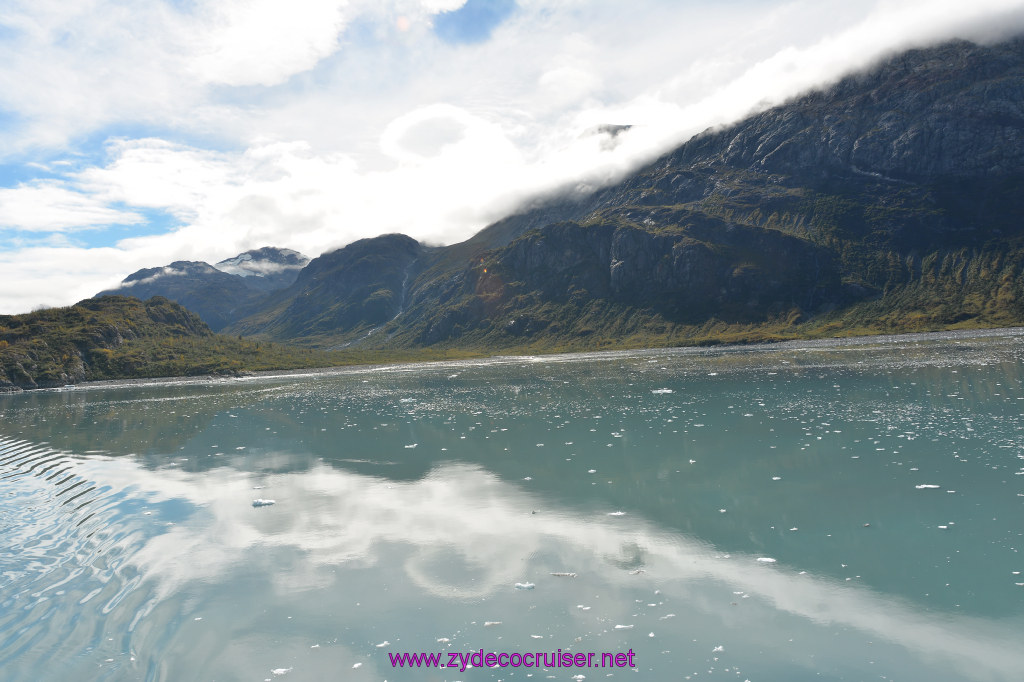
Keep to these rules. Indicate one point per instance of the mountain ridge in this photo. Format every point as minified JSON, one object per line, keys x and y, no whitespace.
{"x":888,"y":201}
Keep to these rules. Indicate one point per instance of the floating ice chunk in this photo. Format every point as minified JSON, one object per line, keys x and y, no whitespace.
{"x":536,"y":636}
{"x":943,"y":527}
{"x":260,"y":502}
{"x":591,"y":471}
{"x":693,"y":461}
{"x":581,"y":607}
{"x":776,"y":478}
{"x":722,"y":511}
{"x":357,"y":665}
{"x":765,"y":560}
{"x":527,"y":478}
{"x":443,"y":640}
{"x":411,"y":446}
{"x":383,"y":644}
{"x":624,"y":627}
{"x":525,"y":586}
{"x":794,"y":528}
{"x":281,"y":671}
{"x":563,"y":574}
{"x":491,"y":623}
{"x":650,"y":634}
{"x":927,"y":486}
{"x":718,"y":649}
{"x":617,"y":513}
{"x":662,"y":391}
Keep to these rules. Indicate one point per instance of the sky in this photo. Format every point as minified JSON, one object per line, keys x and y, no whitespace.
{"x":134,"y":133}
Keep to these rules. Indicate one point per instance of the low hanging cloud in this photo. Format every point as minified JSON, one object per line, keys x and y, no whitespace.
{"x":352,"y":119}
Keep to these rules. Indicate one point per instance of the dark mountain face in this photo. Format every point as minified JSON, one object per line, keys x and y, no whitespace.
{"x":221,"y":294}
{"x":351,"y":290}
{"x":889,"y":201}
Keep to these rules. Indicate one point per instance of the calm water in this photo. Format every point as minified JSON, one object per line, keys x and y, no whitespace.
{"x":410,"y":501}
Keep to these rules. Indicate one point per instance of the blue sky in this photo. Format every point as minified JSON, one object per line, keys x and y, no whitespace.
{"x":138,"y":132}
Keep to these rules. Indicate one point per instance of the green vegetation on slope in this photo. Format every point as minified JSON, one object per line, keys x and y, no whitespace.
{"x":120,"y":337}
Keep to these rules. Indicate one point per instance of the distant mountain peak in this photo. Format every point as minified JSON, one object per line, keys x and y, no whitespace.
{"x":262,"y":262}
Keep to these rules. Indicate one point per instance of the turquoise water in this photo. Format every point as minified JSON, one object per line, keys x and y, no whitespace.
{"x":742,"y":514}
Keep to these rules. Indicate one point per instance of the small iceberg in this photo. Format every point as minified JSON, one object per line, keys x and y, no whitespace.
{"x":765,"y":560}
{"x":525,"y":586}
{"x":662,"y":391}
{"x":927,"y":486}
{"x":260,"y":502}
{"x":564,"y":574}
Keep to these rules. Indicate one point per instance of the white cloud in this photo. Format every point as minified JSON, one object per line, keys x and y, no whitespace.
{"x":335,"y":122}
{"x":51,"y":207}
{"x":264,"y":42}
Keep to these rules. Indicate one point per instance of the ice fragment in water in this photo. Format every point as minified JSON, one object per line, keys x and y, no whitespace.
{"x":623,"y":627}
{"x":926,"y":486}
{"x":718,"y":649}
{"x":563,"y":574}
{"x":491,"y":623}
{"x":776,"y":478}
{"x":765,"y":560}
{"x":525,"y":586}
{"x":617,"y":513}
{"x":383,"y":644}
{"x":281,"y":671}
{"x":662,"y":391}
{"x":260,"y":502}
{"x":356,"y":665}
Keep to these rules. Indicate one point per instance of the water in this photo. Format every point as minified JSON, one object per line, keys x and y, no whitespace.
{"x":636,"y":498}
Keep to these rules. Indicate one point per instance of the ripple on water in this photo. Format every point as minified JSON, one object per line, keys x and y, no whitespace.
{"x":67,"y":573}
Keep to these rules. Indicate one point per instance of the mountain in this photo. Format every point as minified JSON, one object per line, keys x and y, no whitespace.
{"x":120,"y":337}
{"x":59,"y":346}
{"x":265,"y":269}
{"x":222,"y":293}
{"x":888,"y":201}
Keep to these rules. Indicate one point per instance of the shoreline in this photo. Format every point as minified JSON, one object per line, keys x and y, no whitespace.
{"x":809,"y":343}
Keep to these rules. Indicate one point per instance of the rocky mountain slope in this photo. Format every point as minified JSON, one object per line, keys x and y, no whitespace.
{"x":889,"y":201}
